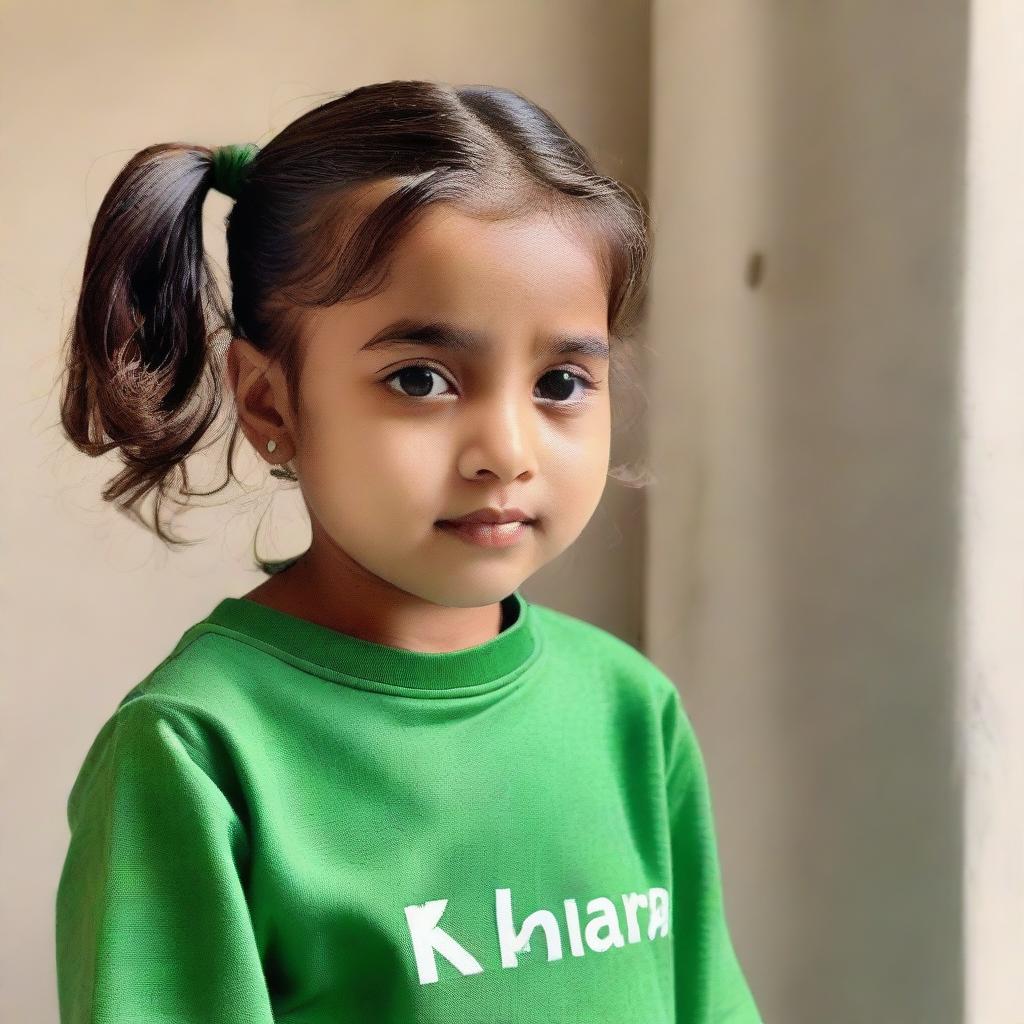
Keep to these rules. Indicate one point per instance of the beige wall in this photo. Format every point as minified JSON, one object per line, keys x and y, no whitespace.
{"x":89,"y":601}
{"x":835,"y":568}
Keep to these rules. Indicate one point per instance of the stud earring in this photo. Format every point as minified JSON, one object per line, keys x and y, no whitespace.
{"x":283,"y":472}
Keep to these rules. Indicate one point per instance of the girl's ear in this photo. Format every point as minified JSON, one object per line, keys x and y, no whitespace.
{"x":243,"y":359}
{"x":259,"y":389}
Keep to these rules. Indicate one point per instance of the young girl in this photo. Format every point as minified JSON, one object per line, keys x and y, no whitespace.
{"x":382,"y":786}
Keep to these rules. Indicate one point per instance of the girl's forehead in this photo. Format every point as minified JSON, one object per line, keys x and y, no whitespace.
{"x":469,"y":299}
{"x":524,"y":277}
{"x":527,"y":260}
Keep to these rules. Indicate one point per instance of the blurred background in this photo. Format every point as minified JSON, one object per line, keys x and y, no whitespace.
{"x":828,"y":564}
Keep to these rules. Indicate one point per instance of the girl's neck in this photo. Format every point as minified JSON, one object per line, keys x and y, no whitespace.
{"x":375,"y":613}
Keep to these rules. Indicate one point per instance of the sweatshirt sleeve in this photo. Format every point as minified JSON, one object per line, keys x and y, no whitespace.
{"x":152,"y":921}
{"x":710,"y":985}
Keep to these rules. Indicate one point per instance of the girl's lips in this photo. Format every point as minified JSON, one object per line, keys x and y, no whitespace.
{"x":488,"y":535}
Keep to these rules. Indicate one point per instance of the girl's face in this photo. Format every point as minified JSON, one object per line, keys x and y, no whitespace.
{"x":494,"y":420}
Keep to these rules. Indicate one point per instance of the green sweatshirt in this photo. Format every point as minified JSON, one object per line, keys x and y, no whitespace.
{"x":282,"y":822}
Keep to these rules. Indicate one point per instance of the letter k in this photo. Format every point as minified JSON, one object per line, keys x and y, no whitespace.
{"x":428,"y":939}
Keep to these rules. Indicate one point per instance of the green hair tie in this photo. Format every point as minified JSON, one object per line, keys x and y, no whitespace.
{"x":229,"y":164}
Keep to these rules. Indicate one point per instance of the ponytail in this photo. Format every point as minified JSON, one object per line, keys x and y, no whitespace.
{"x":140,"y":376}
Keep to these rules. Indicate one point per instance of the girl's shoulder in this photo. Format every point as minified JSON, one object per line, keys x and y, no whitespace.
{"x":203,"y":669}
{"x":203,"y":690}
{"x":591,"y":647}
{"x":196,"y":702}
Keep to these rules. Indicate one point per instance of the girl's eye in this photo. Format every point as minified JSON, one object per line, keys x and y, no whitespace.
{"x":417,"y":378}
{"x":562,"y":385}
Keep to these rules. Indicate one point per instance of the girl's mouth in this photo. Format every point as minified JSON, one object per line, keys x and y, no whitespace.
{"x":488,"y":535}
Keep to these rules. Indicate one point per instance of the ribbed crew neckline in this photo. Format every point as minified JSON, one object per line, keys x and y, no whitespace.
{"x":379,"y":666}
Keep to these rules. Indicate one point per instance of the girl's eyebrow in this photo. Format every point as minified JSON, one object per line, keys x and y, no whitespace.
{"x":441,"y":334}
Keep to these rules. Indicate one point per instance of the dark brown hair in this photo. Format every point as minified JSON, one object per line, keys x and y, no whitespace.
{"x":141,"y":372}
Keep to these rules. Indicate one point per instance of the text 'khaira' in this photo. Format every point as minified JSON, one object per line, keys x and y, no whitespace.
{"x":602,"y":930}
